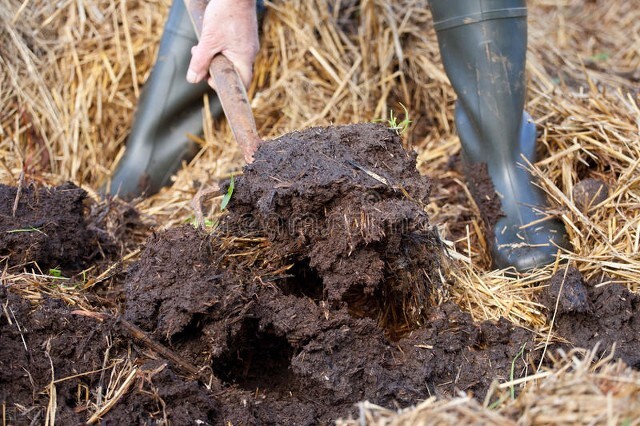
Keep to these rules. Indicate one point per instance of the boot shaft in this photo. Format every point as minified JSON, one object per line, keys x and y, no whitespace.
{"x":449,"y":14}
{"x":483,"y":45}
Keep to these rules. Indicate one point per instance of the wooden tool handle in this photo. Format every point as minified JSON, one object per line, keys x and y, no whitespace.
{"x":230,"y":90}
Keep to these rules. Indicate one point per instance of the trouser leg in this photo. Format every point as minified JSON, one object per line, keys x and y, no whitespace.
{"x":169,"y":109}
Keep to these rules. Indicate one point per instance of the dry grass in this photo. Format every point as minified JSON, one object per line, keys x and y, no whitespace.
{"x":71,"y":71}
{"x":578,"y":389}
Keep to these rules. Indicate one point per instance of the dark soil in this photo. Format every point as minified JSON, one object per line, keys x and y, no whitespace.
{"x":46,"y":343}
{"x":588,"y":315}
{"x":291,"y":359}
{"x":319,"y":289}
{"x":452,"y":203}
{"x":29,"y":339}
{"x":58,"y":227}
{"x":349,"y":203}
{"x":484,"y":194}
{"x":48,"y":229}
{"x":589,"y":193}
{"x":567,"y":291}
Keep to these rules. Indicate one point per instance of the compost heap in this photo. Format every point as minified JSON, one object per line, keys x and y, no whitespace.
{"x":298,"y":344}
{"x":319,"y":289}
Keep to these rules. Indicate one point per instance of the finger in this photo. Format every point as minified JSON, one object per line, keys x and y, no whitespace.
{"x":200,"y":61}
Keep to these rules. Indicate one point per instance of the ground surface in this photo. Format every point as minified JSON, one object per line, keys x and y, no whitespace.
{"x":290,"y":308}
{"x":341,"y":210}
{"x":71,"y":76}
{"x":45,"y":227}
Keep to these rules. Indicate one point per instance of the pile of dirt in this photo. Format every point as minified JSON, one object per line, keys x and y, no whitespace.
{"x":346,"y":204}
{"x":59,"y":227}
{"x":587,"y":313}
{"x":45,"y":227}
{"x":289,"y":311}
{"x":285,"y":338}
{"x":290,"y":359}
{"x":345,"y":207}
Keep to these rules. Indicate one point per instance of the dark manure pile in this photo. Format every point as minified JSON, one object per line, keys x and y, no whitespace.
{"x":319,"y":288}
{"x":345,"y":206}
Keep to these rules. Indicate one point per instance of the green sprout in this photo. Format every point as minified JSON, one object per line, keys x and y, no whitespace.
{"x":394,"y":123}
{"x":600,"y":57}
{"x":520,"y":353}
{"x":55,"y":272}
{"x":199,"y":221}
{"x":193,"y":221}
{"x":209,"y":223}
{"x":498,"y":402}
{"x":29,"y":229}
{"x":84,"y":277}
{"x":227,"y":196}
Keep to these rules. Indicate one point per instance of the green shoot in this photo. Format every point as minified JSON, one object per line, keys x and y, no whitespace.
{"x":400,"y":127}
{"x":393,"y":123}
{"x":208,"y":223}
{"x":497,"y":403}
{"x":197,"y":222}
{"x":600,"y":57}
{"x":227,"y":197}
{"x":29,"y":229}
{"x":512,"y":389}
{"x":55,"y":273}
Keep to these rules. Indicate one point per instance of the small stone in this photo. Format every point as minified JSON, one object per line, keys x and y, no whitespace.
{"x":567,"y":285}
{"x":589,"y":193}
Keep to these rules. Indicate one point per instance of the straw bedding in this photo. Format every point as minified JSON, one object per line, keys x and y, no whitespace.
{"x":71,"y":71}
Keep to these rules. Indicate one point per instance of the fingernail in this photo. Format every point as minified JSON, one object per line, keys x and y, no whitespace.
{"x":192,"y":77}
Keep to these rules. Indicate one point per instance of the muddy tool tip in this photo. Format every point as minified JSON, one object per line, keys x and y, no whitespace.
{"x":230,"y":90}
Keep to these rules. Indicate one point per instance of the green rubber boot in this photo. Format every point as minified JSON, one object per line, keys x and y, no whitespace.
{"x":169,"y":108}
{"x":483,"y":45}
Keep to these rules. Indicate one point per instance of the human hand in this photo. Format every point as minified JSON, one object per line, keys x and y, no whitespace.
{"x":229,"y":27}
